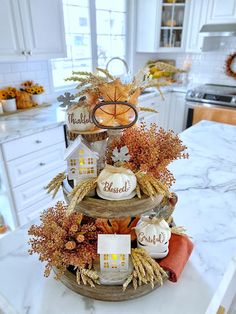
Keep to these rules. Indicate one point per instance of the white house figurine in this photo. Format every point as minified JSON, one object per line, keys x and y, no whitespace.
{"x":114,"y":250}
{"x":81,"y":161}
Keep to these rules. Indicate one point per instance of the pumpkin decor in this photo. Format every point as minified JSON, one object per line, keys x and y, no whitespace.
{"x":118,"y":226}
{"x":228,"y":65}
{"x":78,"y":118}
{"x":153,"y":235}
{"x":111,"y":237}
{"x":23,"y":100}
{"x":116,"y":183}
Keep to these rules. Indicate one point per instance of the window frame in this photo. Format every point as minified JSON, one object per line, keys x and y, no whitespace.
{"x":93,"y":37}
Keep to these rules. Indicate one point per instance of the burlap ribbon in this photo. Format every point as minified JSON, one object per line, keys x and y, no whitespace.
{"x":104,"y":175}
{"x":145,"y":221}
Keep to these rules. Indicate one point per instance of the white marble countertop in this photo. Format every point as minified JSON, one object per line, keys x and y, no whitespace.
{"x":31,"y":121}
{"x":28,"y":122}
{"x":206,"y":186}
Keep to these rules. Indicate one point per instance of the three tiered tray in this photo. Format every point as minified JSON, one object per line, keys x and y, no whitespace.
{"x":107,"y":241}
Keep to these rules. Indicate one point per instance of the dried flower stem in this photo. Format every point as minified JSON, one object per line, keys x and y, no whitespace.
{"x":80,"y":191}
{"x":150,"y":185}
{"x":55,"y":183}
{"x":87,"y":276}
{"x":146,"y":270}
{"x":147,"y":109}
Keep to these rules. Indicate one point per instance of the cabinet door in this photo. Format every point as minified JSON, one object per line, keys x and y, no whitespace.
{"x":43,"y":26}
{"x":197,"y":17}
{"x":11,"y":37}
{"x":148,"y":13}
{"x":177,"y":111}
{"x":161,"y":106}
{"x":221,"y":11}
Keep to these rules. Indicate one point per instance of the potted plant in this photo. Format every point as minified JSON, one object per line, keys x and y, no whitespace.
{"x":8,"y":99}
{"x":35,"y":90}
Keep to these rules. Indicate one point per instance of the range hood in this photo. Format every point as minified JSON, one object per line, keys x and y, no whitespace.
{"x":220,"y":30}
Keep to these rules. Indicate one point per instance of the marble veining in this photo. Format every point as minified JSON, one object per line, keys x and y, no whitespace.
{"x":40,"y":119}
{"x":206,"y":187}
{"x":28,"y":122}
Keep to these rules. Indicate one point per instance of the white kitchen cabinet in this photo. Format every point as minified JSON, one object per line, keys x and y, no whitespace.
{"x":29,"y":163}
{"x":160,"y":105}
{"x":171,"y":111}
{"x":197,"y":17}
{"x":219,"y":11}
{"x":31,"y":30}
{"x":12,"y":42}
{"x":176,"y":112}
{"x":165,"y":30}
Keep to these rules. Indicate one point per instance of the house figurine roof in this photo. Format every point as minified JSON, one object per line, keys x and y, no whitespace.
{"x":78,"y":143}
{"x":114,"y":244}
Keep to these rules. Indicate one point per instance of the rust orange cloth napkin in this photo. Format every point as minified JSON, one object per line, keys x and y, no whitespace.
{"x":180,"y":248}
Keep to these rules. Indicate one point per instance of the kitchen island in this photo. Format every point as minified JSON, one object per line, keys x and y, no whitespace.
{"x":206,"y":186}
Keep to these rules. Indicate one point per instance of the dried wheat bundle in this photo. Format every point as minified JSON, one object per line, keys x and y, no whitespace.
{"x":90,"y":81}
{"x":146,"y":270}
{"x":179,"y":230}
{"x":87,"y":277}
{"x":147,"y":109}
{"x":55,"y":183}
{"x":80,"y":191}
{"x":149,"y":185}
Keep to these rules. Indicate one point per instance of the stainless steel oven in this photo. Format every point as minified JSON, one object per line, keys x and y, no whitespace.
{"x":209,"y":95}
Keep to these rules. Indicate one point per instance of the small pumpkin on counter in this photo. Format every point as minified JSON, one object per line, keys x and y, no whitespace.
{"x":23,"y":100}
{"x":116,"y":183}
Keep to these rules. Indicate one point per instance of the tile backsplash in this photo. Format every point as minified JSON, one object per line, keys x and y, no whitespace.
{"x":14,"y":73}
{"x":206,"y":67}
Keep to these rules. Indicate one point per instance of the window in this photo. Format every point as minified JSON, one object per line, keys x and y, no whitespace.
{"x":83,"y":170}
{"x":73,"y":162}
{"x":90,"y":170}
{"x":90,"y":161}
{"x":89,"y":43}
{"x":81,"y":161}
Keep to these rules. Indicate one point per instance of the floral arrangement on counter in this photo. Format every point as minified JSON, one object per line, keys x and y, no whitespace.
{"x":8,"y":93}
{"x":117,"y":227}
{"x":28,"y":96}
{"x":32,"y":88}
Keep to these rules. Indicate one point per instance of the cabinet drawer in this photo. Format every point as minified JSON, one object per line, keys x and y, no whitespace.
{"x":31,"y":166}
{"x":151,"y":102}
{"x":29,"y":144}
{"x":32,"y":192}
{"x":33,"y":212}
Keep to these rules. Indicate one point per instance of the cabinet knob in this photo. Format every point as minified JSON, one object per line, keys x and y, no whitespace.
{"x":38,"y":142}
{"x":29,"y":53}
{"x":42,"y":164}
{"x":23,"y":52}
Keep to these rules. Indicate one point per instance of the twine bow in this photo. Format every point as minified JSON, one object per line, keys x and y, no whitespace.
{"x":104,"y":175}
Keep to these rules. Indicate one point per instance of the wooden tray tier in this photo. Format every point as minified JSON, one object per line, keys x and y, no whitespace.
{"x":102,"y":292}
{"x":99,"y":208}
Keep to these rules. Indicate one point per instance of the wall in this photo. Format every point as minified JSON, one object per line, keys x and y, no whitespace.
{"x":14,"y":73}
{"x":207,"y":67}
